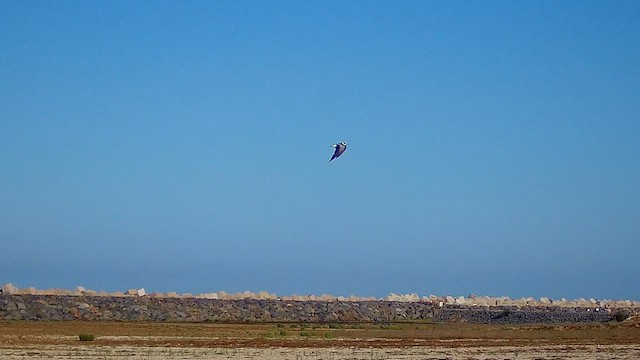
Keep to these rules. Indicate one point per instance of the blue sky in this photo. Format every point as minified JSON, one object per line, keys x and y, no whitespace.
{"x":184,"y":146}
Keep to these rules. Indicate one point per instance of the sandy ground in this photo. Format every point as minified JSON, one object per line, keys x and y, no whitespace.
{"x":579,"y":352}
{"x":407,"y":341}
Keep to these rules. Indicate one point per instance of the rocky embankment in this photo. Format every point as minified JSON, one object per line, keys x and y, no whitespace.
{"x":137,"y":305}
{"x":145,"y":308}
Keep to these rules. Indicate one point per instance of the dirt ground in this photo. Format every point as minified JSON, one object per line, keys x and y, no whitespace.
{"x":156,"y":341}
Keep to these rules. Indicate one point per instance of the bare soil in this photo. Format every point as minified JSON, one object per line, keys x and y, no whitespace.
{"x":144,"y":340}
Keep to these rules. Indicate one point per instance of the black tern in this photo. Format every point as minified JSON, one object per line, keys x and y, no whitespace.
{"x":340,"y":148}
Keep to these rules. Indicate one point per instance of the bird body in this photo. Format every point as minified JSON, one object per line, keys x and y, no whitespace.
{"x":339,"y":149}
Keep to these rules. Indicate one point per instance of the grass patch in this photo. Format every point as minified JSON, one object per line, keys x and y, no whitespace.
{"x":276,"y":333}
{"x":87,"y":337}
{"x":390,"y":327}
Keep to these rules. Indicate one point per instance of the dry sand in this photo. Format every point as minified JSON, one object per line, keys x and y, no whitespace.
{"x":577,"y":352}
{"x":408,"y":341}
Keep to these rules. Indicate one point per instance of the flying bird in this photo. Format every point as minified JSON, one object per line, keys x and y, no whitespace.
{"x":340,"y":148}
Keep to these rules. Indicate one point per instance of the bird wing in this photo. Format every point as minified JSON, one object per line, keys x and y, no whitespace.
{"x":335,"y":153}
{"x":339,"y":150}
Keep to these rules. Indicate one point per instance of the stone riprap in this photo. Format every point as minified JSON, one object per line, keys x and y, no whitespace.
{"x":138,"y":305}
{"x":471,"y":300}
{"x":166,"y":309}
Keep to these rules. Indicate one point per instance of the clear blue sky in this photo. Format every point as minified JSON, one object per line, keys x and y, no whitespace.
{"x":184,"y":145}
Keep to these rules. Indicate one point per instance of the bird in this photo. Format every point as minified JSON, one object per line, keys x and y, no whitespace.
{"x":340,"y":148}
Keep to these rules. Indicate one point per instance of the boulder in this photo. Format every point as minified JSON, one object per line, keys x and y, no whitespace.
{"x":483,"y":301}
{"x":520,"y":302}
{"x":9,"y":289}
{"x":29,"y":291}
{"x":208,"y":296}
{"x":461,"y":300}
{"x":583,"y":303}
{"x":393,"y":297}
{"x":57,"y":292}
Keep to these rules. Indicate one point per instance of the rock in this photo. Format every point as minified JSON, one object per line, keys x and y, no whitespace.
{"x":9,"y":289}
{"x":398,"y":297}
{"x":207,"y":296}
{"x":583,"y":303}
{"x":461,"y":300}
{"x":521,"y":302}
{"x":483,"y":301}
{"x":59,"y":292}
{"x":29,"y":291}
{"x":137,"y":305}
{"x":392,"y":297}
